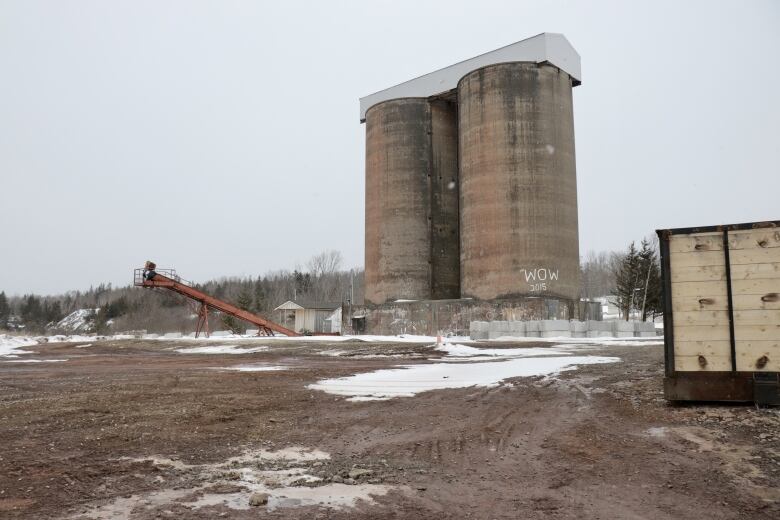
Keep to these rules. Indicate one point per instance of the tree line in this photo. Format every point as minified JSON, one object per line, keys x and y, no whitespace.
{"x":630,"y":279}
{"x":321,"y":279}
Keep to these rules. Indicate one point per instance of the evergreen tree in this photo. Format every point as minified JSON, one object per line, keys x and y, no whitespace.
{"x":259,"y":295}
{"x":231,"y":324}
{"x":244,"y":301}
{"x":627,"y":281}
{"x":52,"y":311}
{"x":100,"y":322}
{"x":5,"y":311}
{"x":32,"y":313}
{"x":303,"y":283}
{"x":649,"y":291}
{"x":644,"y":267}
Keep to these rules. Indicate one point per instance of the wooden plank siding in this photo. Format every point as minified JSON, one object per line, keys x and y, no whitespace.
{"x":707,"y":273}
{"x":699,"y":300}
{"x":756,"y":295}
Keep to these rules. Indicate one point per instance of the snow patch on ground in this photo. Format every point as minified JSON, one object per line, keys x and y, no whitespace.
{"x":358,"y":354}
{"x":81,"y":320}
{"x":409,"y":380}
{"x":463,"y":366}
{"x":10,"y":346}
{"x":254,"y":368}
{"x":75,"y":338}
{"x":605,"y":340}
{"x":220,"y":349}
{"x":402,"y":338}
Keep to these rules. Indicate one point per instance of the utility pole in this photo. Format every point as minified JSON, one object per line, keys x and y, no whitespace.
{"x":351,"y":296}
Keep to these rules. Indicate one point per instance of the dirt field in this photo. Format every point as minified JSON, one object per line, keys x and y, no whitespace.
{"x":134,"y":429}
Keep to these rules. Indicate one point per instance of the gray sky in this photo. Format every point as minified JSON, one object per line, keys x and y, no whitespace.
{"x":222,"y":137}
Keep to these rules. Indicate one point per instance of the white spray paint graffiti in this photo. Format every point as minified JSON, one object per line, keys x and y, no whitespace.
{"x":539,"y":278}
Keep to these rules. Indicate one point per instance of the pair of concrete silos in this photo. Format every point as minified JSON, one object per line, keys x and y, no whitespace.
{"x":471,"y":188}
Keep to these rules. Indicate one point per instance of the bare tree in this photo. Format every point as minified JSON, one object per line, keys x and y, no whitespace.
{"x":598,"y":273}
{"x":325,"y":263}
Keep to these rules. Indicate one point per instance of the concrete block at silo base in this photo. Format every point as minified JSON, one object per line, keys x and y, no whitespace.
{"x":478,"y":330}
{"x":517,"y":328}
{"x":172,"y":335}
{"x":555,"y":329}
{"x":532,"y":329}
{"x":555,"y":334}
{"x":579,"y":329}
{"x":554,"y":325}
{"x":623,"y":329}
{"x":252,"y":332}
{"x":483,"y":329}
{"x":599,"y":329}
{"x":498,"y":329}
{"x":644,"y":329}
{"x":150,"y":336}
{"x":221,"y":333}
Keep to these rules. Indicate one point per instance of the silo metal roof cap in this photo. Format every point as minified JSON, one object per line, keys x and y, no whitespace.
{"x":553,"y":48}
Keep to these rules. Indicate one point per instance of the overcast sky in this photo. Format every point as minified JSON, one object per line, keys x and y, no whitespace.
{"x":223,"y":137}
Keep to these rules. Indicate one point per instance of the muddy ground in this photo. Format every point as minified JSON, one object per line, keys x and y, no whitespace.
{"x":133,"y":429}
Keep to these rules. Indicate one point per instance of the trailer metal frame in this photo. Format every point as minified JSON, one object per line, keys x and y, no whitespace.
{"x":763,"y":388}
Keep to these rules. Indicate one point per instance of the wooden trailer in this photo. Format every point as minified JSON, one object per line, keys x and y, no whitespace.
{"x":722,"y":312}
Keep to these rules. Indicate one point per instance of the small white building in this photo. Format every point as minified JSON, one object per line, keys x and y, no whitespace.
{"x":308,"y":316}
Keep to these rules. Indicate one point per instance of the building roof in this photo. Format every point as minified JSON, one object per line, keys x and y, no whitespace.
{"x":288,"y":306}
{"x":296,"y":305}
{"x":553,"y":48}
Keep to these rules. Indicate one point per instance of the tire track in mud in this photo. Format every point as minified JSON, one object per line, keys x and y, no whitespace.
{"x":528,"y":448}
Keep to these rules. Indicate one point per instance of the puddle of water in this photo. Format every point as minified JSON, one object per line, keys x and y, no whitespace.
{"x":279,"y":484}
{"x":220,"y":349}
{"x":122,"y":508}
{"x":162,"y":461}
{"x":410,"y":380}
{"x":292,"y":453}
{"x":296,"y":454}
{"x":330,"y":495}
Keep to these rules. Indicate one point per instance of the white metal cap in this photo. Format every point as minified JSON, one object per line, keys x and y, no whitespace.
{"x":546,"y":47}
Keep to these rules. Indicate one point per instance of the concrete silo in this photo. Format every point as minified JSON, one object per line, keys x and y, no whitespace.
{"x":411,"y":201}
{"x":444,"y":186}
{"x":471,"y":189}
{"x":518,"y":183}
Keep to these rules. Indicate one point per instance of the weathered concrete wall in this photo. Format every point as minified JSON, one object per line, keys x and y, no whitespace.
{"x":398,"y":156}
{"x":454,"y":316}
{"x":518,"y":186}
{"x":445,"y":235}
{"x":412,"y":237}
